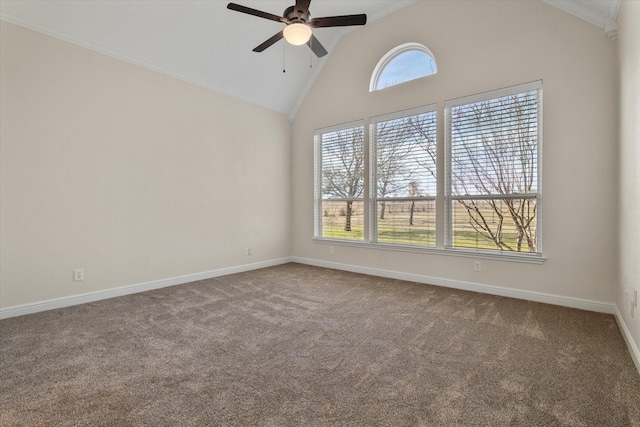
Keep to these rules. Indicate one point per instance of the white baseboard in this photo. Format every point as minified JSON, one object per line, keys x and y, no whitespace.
{"x":20,"y":310}
{"x":579,"y":303}
{"x":583,"y":304}
{"x":626,"y":334}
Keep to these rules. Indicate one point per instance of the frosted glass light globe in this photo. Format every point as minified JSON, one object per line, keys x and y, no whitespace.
{"x":297,"y":34}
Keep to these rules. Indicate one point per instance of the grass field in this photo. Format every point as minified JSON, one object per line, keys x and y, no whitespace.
{"x":395,"y":228}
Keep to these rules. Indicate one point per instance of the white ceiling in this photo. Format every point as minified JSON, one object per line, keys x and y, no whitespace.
{"x":203,"y":42}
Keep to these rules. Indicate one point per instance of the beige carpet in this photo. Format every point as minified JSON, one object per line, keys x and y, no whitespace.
{"x":295,"y":345}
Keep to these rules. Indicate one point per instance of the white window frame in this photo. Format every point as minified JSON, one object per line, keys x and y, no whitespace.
{"x":390,"y":56}
{"x":318,"y":199}
{"x":450,"y":199}
{"x":444,"y":194}
{"x":373,"y":175}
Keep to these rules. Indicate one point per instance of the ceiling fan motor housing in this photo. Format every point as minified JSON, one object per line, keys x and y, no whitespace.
{"x":293,"y":15}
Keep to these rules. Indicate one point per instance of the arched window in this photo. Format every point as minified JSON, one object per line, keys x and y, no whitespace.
{"x":401,"y":64}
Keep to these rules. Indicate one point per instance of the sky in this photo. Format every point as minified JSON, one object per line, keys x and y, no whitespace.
{"x":407,"y":66}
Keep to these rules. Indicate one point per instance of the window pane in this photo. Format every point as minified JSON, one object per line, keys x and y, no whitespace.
{"x":406,"y":156}
{"x":343,"y":220}
{"x":494,"y":146}
{"x":407,"y":222}
{"x":406,"y":66}
{"x":343,"y":163}
{"x":340,"y":184}
{"x":495,"y":224}
{"x":405,"y":168}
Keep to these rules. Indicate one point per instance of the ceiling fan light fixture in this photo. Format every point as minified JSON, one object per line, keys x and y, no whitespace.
{"x":297,"y":34}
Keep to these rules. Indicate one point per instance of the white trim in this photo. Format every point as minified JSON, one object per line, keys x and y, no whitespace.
{"x":318,"y":135}
{"x":583,"y":304}
{"x":390,"y":56}
{"x":563,"y":301}
{"x":540,"y":202}
{"x":431,"y":108}
{"x":606,"y":21}
{"x":338,"y":128}
{"x":628,"y":338}
{"x":317,"y":184}
{"x":496,"y":255}
{"x":373,"y":168}
{"x":601,"y":307}
{"x":536,"y":86}
{"x":610,"y":28}
{"x":581,"y":11}
{"x":492,"y":94}
{"x":614,"y":9}
{"x":20,"y":310}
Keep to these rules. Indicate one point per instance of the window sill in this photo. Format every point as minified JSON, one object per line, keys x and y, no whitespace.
{"x":467,"y":253}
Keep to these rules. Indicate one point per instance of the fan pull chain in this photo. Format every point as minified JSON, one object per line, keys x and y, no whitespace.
{"x":283,"y":59}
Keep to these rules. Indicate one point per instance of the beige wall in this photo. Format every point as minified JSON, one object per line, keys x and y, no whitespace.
{"x":629,"y":52}
{"x":481,"y":46}
{"x":131,"y":175}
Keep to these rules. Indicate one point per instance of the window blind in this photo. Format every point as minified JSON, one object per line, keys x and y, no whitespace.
{"x":493,"y":145}
{"x":340,"y":183}
{"x":404,"y":148}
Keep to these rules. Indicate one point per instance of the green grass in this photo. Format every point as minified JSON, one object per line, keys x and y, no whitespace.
{"x":390,"y":232}
{"x":395,"y":228}
{"x":333,"y":228}
{"x":473,"y":240}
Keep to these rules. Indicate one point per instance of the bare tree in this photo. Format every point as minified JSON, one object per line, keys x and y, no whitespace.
{"x":495,"y":154}
{"x":422,"y":129}
{"x":414,"y":191}
{"x":392,"y":151}
{"x":405,"y":148}
{"x":343,"y":172}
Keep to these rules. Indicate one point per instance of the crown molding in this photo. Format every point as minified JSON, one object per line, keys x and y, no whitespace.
{"x":605,"y":21}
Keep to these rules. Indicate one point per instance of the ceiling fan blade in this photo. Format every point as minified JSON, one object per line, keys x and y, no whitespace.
{"x":255,"y":12}
{"x":316,"y":47}
{"x":303,"y":6}
{"x":338,"y":21}
{"x":269,"y":42}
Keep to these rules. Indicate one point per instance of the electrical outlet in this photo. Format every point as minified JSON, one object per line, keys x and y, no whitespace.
{"x":331,"y":250}
{"x":477,"y":266}
{"x":78,"y":274}
{"x":249,"y":251}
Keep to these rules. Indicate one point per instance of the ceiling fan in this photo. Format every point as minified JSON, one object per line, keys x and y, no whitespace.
{"x":299,"y":25}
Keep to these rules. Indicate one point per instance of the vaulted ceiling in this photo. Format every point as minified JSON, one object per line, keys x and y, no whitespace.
{"x":204,"y":43}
